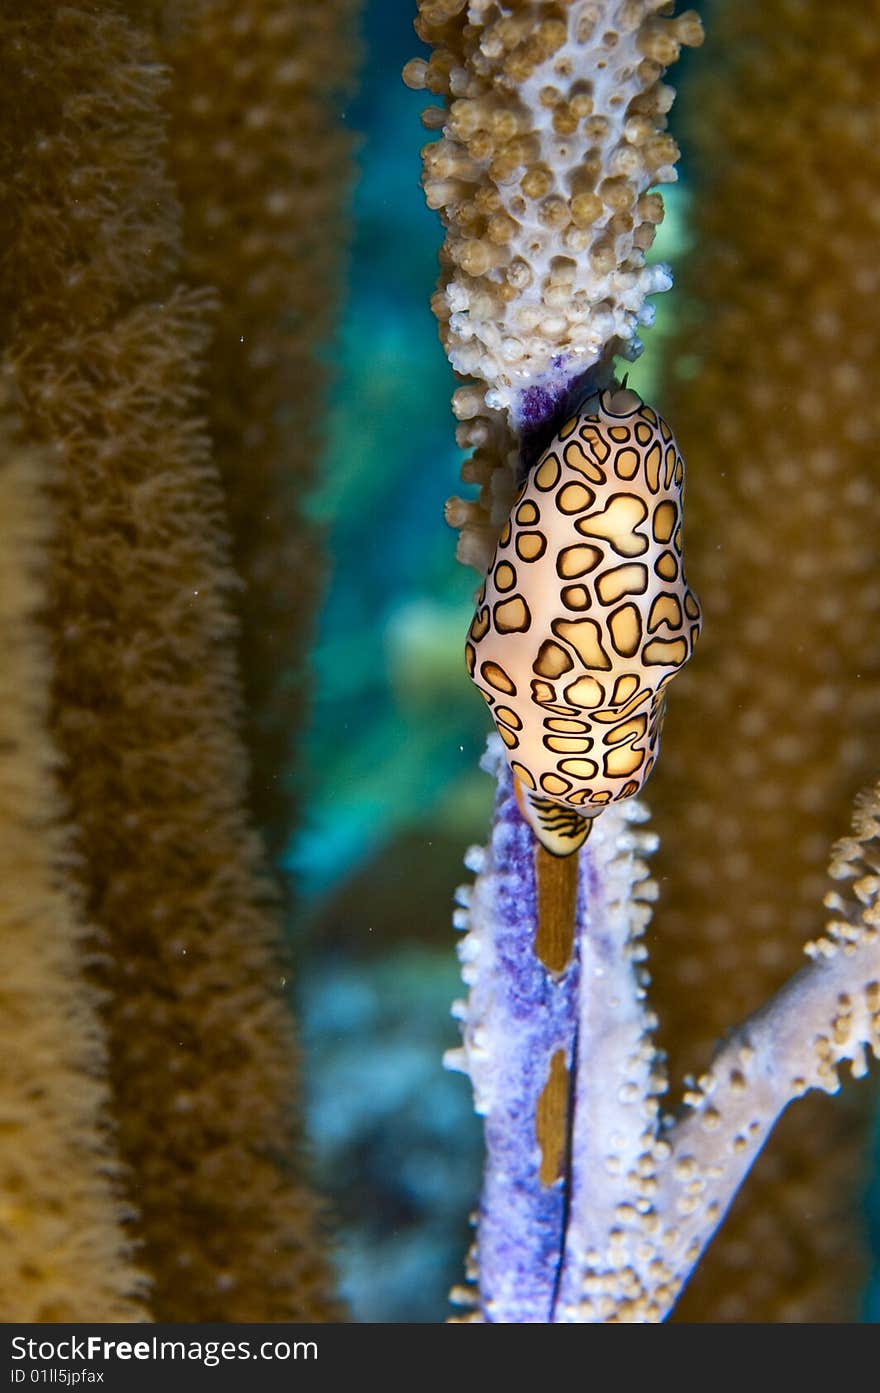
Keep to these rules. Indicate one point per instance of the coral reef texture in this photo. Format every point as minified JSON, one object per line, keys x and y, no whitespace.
{"x":552,"y":137}
{"x":64,"y":1251}
{"x":106,"y":350}
{"x":261,"y":164}
{"x":553,"y":134}
{"x":771,"y":385}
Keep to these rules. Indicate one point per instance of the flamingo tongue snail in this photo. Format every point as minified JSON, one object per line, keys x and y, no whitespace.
{"x":585,"y":616}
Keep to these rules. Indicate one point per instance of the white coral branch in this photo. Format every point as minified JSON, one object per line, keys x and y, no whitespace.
{"x":553,"y":134}
{"x":647,"y":1192}
{"x":828,"y":1013}
{"x":825,"y":1015}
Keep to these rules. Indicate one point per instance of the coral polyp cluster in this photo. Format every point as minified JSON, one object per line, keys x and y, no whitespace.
{"x":145,"y":924}
{"x":552,"y":136}
{"x":585,"y":617}
{"x":256,"y":89}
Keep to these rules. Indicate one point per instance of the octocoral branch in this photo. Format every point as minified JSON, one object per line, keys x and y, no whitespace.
{"x":106,"y":350}
{"x":826,"y":1015}
{"x":520,"y":1018}
{"x":255,"y":95}
{"x":535,"y":1028}
{"x":553,"y":135}
{"x":770,"y":381}
{"x":616,"y":1233}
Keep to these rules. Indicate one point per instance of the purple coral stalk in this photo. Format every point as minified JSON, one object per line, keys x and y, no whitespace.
{"x":518,"y":1017}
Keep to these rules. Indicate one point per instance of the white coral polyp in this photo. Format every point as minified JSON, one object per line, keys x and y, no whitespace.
{"x":555,"y":134}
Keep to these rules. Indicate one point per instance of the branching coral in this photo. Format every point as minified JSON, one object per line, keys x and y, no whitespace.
{"x":107,"y":351}
{"x":65,"y":1254}
{"x":582,"y":1171}
{"x":261,"y":163}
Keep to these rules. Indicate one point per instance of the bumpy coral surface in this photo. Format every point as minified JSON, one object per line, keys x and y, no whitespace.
{"x":595,"y":1207}
{"x":773,"y":391}
{"x":107,"y":349}
{"x":552,"y":137}
{"x":65,"y":1254}
{"x":261,"y":162}
{"x":553,"y":134}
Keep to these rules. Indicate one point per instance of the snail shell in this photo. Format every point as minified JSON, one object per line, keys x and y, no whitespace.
{"x":585,"y":616}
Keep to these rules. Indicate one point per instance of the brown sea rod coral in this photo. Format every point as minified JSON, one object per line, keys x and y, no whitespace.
{"x":262,"y":163}
{"x":65,"y":1254}
{"x":107,"y":351}
{"x":772,"y":386}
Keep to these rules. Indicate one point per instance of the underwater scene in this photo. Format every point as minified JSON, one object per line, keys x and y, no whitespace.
{"x":366,"y":390}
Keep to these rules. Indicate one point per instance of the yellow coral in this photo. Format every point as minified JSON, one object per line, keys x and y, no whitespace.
{"x":552,"y":136}
{"x":64,"y":1250}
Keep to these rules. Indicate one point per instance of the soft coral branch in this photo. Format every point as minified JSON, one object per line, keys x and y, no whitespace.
{"x":617,"y":1235}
